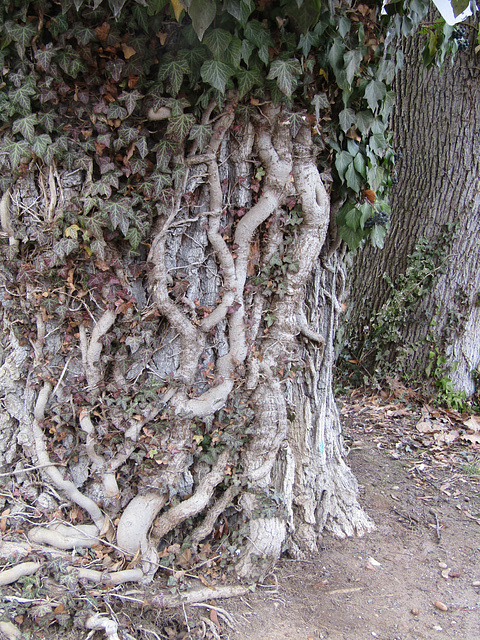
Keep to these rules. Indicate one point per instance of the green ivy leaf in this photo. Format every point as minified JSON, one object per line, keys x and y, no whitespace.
{"x":352,"y":178}
{"x":217,"y":40}
{"x":374,"y":92}
{"x":258,"y":34}
{"x":98,"y":248}
{"x":127,"y":134}
{"x":134,"y":237}
{"x":22,"y":34}
{"x":21,"y":97}
{"x":202,"y":13}
{"x":239,"y":9}
{"x":246,"y":50}
{"x":179,"y":126}
{"x":346,"y":119}
{"x":47,"y":120}
{"x":360,"y":165}
{"x":117,"y":214}
{"x":377,"y":236}
{"x":26,"y":126}
{"x":17,"y":151}
{"x":173,"y":71}
{"x":44,"y":56}
{"x":342,"y":161}
{"x":216,"y":74}
{"x":41,"y":144}
{"x":201,"y":133}
{"x":247,"y":79}
{"x":353,"y":60}
{"x":363,"y":121}
{"x":164,"y":151}
{"x":233,"y":53}
{"x":285,"y":73}
{"x":351,"y":237}
{"x":65,"y":247}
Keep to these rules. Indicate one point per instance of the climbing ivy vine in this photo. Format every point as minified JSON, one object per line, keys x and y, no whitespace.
{"x":82,"y":81}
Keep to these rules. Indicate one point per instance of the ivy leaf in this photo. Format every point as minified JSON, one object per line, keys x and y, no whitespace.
{"x":117,"y":213}
{"x":352,"y":238}
{"x":17,"y":151}
{"x":116,"y":111}
{"x":65,"y":247}
{"x":130,"y":99}
{"x":258,"y":34}
{"x":216,"y":73}
{"x":247,"y":79}
{"x":26,"y":126}
{"x":202,"y":13}
{"x":21,"y":96}
{"x":285,"y":72}
{"x":173,"y":71}
{"x":352,"y":60}
{"x":352,"y":178}
{"x":239,"y":9}
{"x":98,"y":248}
{"x":127,"y":134}
{"x":134,"y":237}
{"x":246,"y":50}
{"x":233,"y":54}
{"x":22,"y":34}
{"x":142,"y":147}
{"x":374,"y":92}
{"x":138,"y":165}
{"x":217,"y":40}
{"x":360,"y":165}
{"x":346,"y":118}
{"x":44,"y":56}
{"x":179,"y":126}
{"x":296,"y":120}
{"x":160,"y":181}
{"x":116,"y":6}
{"x":307,"y":41}
{"x":47,"y":120}
{"x":342,"y":162}
{"x":41,"y":144}
{"x":115,"y":68}
{"x":201,"y":133}
{"x":363,"y":121}
{"x":164,"y":151}
{"x":377,"y":236}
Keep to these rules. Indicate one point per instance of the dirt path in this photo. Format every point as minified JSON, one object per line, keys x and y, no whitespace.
{"x":424,"y":496}
{"x":426,"y":549}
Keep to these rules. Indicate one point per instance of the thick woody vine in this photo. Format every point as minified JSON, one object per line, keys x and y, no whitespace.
{"x":167,"y":173}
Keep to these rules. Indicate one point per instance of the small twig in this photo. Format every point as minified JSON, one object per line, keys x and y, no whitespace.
{"x":437,"y":524}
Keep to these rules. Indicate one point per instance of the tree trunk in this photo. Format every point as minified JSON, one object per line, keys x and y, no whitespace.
{"x":431,"y":254}
{"x":162,"y":391}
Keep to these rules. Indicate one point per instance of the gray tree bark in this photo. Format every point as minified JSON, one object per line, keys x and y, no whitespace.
{"x":436,"y":136}
{"x":161,"y":400}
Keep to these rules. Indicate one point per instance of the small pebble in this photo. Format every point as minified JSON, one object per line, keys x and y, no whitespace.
{"x":440,"y":605}
{"x":415,"y":612}
{"x":442,"y":565}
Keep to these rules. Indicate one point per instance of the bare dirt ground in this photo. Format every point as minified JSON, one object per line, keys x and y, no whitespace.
{"x":417,"y":577}
{"x":423,"y":557}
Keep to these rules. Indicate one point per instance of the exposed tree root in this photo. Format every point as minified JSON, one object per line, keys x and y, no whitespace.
{"x":167,"y":601}
{"x":10,"y":631}
{"x":100,"y":623}
{"x":63,"y":537}
{"x":18,"y":571}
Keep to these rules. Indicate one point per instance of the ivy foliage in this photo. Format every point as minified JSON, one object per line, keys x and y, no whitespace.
{"x":80,"y":76}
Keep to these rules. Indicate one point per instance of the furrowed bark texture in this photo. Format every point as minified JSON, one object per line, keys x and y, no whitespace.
{"x":436,"y":134}
{"x":202,"y":387}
